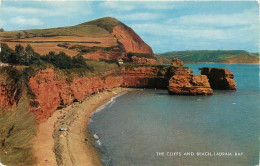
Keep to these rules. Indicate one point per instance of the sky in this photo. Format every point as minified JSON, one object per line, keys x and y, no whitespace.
{"x":164,"y":25}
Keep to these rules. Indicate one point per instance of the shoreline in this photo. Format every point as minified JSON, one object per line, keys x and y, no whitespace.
{"x":64,"y":138}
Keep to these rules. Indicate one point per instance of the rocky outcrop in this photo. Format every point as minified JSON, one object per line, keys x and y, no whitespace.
{"x":183,"y":82}
{"x":219,"y":78}
{"x":162,"y":60}
{"x":130,"y":41}
{"x":143,"y":60}
{"x":177,"y":62}
{"x":52,"y":93}
{"x":145,"y":77}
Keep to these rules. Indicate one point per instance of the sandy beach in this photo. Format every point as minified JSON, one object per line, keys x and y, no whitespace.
{"x":64,"y":140}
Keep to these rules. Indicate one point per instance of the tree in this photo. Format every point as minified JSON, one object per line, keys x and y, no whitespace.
{"x":5,"y":53}
{"x":1,"y":30}
{"x":19,"y":35}
{"x":20,"y":54}
{"x":30,"y":55}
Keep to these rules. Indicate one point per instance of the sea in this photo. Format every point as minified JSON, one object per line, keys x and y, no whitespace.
{"x":152,"y":128}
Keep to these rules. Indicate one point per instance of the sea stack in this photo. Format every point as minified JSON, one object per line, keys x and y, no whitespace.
{"x":183,"y":82}
{"x":219,"y":78}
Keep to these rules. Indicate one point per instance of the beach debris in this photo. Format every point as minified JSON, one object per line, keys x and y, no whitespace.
{"x":62,"y":129}
{"x":234,"y":103}
{"x":99,"y":142}
{"x":96,"y":136}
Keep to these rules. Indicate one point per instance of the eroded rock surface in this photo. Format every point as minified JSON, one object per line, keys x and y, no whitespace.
{"x":177,"y":62}
{"x":183,"y":82}
{"x":145,"y":77}
{"x":130,"y":41}
{"x":52,"y":93}
{"x":219,"y":78}
{"x":143,"y":60}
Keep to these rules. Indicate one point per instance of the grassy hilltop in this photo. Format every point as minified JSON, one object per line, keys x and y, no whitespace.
{"x":88,"y":36}
{"x":104,"y":38}
{"x":215,"y":56}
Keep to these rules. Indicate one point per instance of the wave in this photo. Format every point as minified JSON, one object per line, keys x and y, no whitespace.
{"x":99,"y":143}
{"x":106,"y":160}
{"x":107,"y":105}
{"x":97,"y":140}
{"x":96,"y":136}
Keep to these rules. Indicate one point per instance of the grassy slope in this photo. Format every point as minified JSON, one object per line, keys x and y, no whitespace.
{"x":107,"y":23}
{"x":96,"y":28}
{"x":17,"y":126}
{"x":85,"y":29}
{"x":217,"y":56}
{"x":101,"y":66}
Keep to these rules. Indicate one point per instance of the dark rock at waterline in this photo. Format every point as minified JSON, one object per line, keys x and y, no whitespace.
{"x":219,"y":78}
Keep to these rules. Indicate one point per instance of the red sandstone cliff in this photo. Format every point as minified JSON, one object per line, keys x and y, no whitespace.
{"x":130,"y":41}
{"x":52,"y":93}
{"x":145,"y":77}
{"x":143,"y":60}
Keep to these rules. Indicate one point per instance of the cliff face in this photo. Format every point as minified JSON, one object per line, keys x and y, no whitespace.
{"x":219,"y":78}
{"x":146,"y":77}
{"x":130,"y":40}
{"x":52,"y":93}
{"x":183,"y":82}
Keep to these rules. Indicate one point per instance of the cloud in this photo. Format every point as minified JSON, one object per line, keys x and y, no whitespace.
{"x":219,"y":20}
{"x":12,"y":9}
{"x":160,"y":5}
{"x":26,"y":21}
{"x":132,"y":5}
{"x":190,"y":33}
{"x":48,"y":9}
{"x":120,"y":6}
{"x":2,"y":23}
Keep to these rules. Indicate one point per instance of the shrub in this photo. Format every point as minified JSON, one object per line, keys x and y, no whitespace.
{"x":63,"y":61}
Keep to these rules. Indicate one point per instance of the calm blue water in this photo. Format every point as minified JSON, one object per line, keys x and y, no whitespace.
{"x":137,"y":125}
